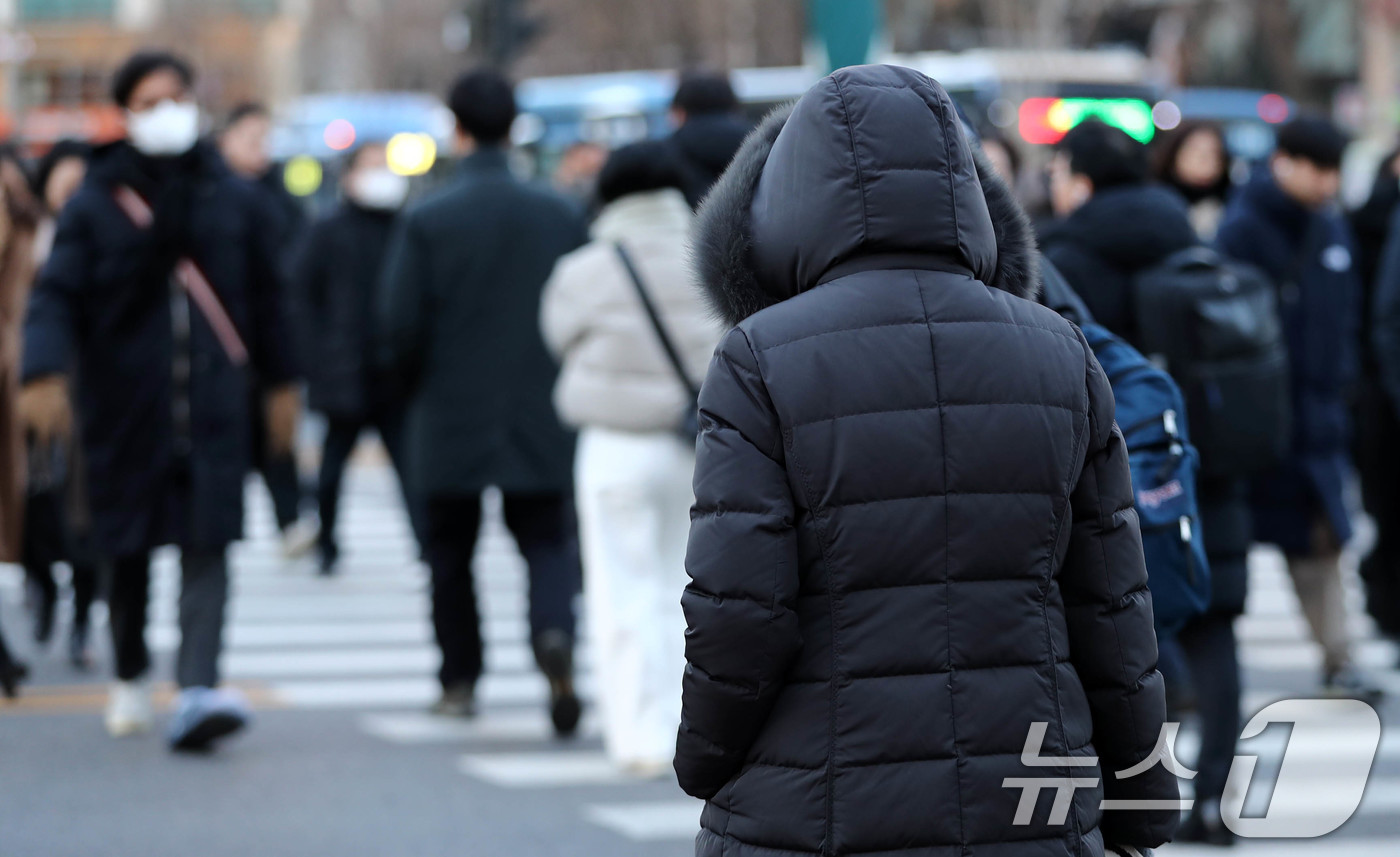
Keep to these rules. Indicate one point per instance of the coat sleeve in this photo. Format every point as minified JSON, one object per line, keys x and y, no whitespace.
{"x":272,"y":345}
{"x":1385,"y":333}
{"x":53,"y":311}
{"x":570,"y":303}
{"x":403,"y":302}
{"x":742,"y":631}
{"x":1113,"y":647}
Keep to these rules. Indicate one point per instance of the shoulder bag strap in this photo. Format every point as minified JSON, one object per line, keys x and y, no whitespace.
{"x":656,"y":324}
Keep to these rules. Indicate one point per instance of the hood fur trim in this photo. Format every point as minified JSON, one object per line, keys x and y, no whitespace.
{"x":723,"y":239}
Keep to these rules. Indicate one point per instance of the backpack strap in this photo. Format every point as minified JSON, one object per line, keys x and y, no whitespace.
{"x":666,"y":344}
{"x":190,"y":278}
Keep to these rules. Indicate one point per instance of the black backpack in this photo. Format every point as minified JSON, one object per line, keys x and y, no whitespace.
{"x":1214,"y":325}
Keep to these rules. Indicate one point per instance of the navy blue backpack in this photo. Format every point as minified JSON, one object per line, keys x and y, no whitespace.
{"x":1151,"y":414}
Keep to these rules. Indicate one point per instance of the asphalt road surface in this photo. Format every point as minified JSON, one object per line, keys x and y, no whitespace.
{"x":343,"y":761}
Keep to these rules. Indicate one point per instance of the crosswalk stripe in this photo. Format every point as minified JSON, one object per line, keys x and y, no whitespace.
{"x":542,"y":769}
{"x":362,"y":642}
{"x":500,"y":725}
{"x":412,"y":692}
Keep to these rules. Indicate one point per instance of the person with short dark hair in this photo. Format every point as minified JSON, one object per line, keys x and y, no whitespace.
{"x":460,"y":325}
{"x":162,"y":290}
{"x":483,"y":102}
{"x":618,"y":387}
{"x":1286,"y":222}
{"x":1112,"y":224}
{"x":334,"y":283}
{"x":1115,"y":227}
{"x":709,"y":130}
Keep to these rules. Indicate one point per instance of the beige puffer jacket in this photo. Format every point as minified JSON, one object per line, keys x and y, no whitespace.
{"x":614,"y":372}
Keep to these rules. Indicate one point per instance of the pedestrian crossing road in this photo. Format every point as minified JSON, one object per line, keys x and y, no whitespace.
{"x":359,"y":646}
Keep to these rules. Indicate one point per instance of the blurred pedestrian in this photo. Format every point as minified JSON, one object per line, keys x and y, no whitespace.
{"x":335,"y":281}
{"x":1117,"y":231}
{"x":1286,"y":222}
{"x":243,"y":144}
{"x":880,"y":612}
{"x":1194,"y":160}
{"x":57,"y":524}
{"x":1002,"y":155}
{"x":163,"y":286}
{"x":1112,"y":222}
{"x":19,"y":217}
{"x":634,"y":408}
{"x":461,"y":309}
{"x":576,"y":176}
{"x":1377,"y":228}
{"x":709,"y":130}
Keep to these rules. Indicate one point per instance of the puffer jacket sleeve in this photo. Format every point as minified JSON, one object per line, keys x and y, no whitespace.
{"x":742,"y":632}
{"x":1112,"y":644}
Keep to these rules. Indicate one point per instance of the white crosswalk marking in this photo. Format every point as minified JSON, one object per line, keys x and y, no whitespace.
{"x":362,"y":641}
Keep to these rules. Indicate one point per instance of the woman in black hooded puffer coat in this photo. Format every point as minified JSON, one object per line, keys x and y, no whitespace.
{"x":914,"y":534}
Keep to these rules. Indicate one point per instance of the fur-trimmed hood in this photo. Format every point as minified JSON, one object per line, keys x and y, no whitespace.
{"x":869,"y":169}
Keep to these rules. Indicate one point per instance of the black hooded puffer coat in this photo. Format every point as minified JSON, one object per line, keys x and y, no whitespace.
{"x":914,"y":533}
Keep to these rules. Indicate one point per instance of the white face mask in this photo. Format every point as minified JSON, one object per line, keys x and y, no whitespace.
{"x":169,"y":128}
{"x":381,"y":189}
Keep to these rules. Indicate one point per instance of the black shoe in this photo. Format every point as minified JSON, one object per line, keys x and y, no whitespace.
{"x":11,"y":674}
{"x":1204,"y":825}
{"x":554,"y":652}
{"x":330,"y":556}
{"x":1351,"y":683}
{"x":78,"y":655}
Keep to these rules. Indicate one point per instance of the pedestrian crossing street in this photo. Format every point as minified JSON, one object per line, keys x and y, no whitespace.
{"x":362,"y":642}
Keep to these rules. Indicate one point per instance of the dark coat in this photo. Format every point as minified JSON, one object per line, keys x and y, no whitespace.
{"x":704,"y":146}
{"x":105,"y":299}
{"x":1107,"y":241}
{"x":1385,"y":328}
{"x":334,"y":286}
{"x":914,"y":533}
{"x":1371,"y":225}
{"x":461,"y":315}
{"x":1311,"y":258}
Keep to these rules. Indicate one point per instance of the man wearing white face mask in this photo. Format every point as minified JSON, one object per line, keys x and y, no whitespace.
{"x":161,"y":289}
{"x":334,"y":279}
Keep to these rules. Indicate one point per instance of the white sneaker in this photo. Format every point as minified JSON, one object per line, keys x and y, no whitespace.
{"x":129,"y":709}
{"x":299,"y":538}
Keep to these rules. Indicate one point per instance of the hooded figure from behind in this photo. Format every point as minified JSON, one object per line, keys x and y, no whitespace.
{"x":913,"y":543}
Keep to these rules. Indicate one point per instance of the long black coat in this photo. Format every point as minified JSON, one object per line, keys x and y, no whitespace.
{"x":102,"y":301}
{"x":914,"y":534}
{"x":460,"y":308}
{"x":1311,"y":257}
{"x":334,"y":286}
{"x":1107,"y":241}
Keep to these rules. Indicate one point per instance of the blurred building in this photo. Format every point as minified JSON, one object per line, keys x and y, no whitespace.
{"x":62,"y":53}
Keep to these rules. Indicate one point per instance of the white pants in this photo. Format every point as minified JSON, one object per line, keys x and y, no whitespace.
{"x":634,"y":498}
